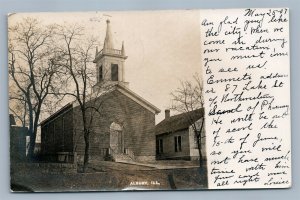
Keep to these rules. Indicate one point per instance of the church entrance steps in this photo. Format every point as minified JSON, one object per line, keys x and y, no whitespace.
{"x":122,"y":158}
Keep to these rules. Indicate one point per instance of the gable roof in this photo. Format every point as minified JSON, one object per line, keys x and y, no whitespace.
{"x":57,"y":113}
{"x":178,"y":122}
{"x":119,"y":87}
{"x":138,"y":99}
{"x":123,"y":89}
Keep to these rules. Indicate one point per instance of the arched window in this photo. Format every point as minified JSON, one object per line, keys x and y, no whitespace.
{"x":116,"y":127}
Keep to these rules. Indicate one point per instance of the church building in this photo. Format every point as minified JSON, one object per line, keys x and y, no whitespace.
{"x":121,"y":123}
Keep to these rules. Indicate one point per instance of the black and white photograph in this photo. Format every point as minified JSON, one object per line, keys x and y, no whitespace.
{"x":106,"y":101}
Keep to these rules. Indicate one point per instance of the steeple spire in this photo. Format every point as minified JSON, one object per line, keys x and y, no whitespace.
{"x":110,"y":62}
{"x":108,"y":44}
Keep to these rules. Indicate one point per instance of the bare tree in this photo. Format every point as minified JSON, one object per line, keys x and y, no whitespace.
{"x":32,"y":68}
{"x":189,"y":98}
{"x":77,"y":52}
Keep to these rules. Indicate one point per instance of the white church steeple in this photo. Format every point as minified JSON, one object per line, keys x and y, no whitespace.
{"x":110,"y":61}
{"x":108,"y":43}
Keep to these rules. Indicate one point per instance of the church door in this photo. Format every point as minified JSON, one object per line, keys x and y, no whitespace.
{"x":116,"y":138}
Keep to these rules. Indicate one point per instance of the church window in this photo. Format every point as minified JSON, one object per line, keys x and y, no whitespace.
{"x":100,"y":73}
{"x":114,"y":72}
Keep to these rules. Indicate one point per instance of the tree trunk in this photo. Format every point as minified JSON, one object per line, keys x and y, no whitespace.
{"x":199,"y":149}
{"x":86,"y":150}
{"x":31,"y":133}
{"x":32,"y":145}
{"x":199,"y":140}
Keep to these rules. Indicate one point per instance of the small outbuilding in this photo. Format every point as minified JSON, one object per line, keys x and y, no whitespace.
{"x":176,"y":138}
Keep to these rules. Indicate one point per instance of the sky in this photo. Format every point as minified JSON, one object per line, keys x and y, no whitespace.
{"x":163,"y":47}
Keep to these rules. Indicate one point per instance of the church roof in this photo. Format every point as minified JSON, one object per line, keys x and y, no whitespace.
{"x":57,"y":113}
{"x":122,"y":88}
{"x":178,"y":122}
{"x":138,"y":99}
{"x":119,"y":87}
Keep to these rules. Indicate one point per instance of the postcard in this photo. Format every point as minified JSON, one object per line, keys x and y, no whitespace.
{"x":149,"y":100}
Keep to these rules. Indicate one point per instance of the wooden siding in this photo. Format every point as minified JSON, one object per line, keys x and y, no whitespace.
{"x":169,"y":145}
{"x":189,"y":144}
{"x":138,"y":125}
{"x":57,"y":134}
{"x":64,"y":133}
